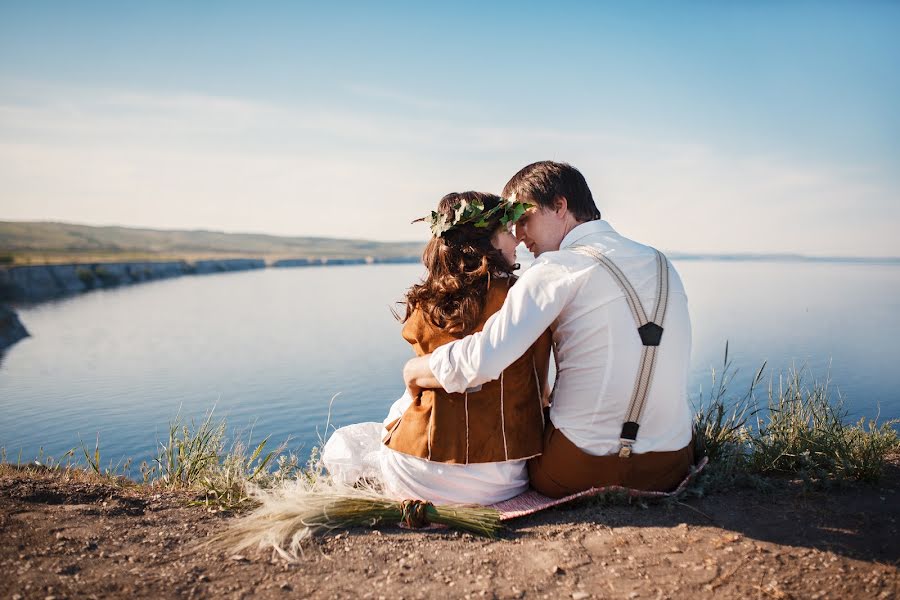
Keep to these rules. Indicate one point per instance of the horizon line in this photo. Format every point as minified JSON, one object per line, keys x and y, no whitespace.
{"x":672,"y":254}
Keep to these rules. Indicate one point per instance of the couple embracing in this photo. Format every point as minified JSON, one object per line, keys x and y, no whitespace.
{"x":479,"y":421}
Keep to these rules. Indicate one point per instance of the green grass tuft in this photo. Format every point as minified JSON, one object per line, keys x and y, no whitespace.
{"x":806,"y":433}
{"x":801,"y":431}
{"x":197,"y":457}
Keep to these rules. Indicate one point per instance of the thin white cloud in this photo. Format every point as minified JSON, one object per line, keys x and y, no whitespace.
{"x":191,"y":160}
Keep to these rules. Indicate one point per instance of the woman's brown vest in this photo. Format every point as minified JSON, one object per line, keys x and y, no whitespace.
{"x":501,"y":421}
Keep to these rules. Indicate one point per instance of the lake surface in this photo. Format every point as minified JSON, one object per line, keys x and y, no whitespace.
{"x":270,"y":348}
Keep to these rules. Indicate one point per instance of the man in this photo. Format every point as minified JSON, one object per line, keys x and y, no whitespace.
{"x":619,"y":413}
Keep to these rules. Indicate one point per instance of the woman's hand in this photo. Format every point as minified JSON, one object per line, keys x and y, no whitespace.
{"x":418,"y":376}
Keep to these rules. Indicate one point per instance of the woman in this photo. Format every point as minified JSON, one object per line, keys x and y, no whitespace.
{"x":456,"y":448}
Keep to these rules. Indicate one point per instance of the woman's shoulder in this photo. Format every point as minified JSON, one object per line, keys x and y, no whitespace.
{"x":413,"y":326}
{"x":498,"y":288}
{"x":418,"y":326}
{"x":501,"y":285}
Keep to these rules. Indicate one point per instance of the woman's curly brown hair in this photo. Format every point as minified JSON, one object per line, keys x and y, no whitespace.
{"x":460,"y":265}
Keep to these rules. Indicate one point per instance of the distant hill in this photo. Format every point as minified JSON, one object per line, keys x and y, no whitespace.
{"x":47,"y":242}
{"x":31,"y":242}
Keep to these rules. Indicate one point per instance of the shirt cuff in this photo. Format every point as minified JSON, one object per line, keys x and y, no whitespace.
{"x":443,"y":369}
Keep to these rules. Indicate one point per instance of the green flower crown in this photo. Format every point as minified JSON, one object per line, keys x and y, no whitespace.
{"x":473,"y":211}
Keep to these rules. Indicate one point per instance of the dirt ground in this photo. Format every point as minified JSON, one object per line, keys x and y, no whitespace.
{"x":87,"y":539}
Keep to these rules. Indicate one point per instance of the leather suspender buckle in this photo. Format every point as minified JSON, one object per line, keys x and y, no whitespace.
{"x":651,"y":334}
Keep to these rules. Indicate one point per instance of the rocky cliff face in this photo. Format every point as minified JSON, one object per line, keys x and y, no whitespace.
{"x":11,"y":329}
{"x":202,"y":267}
{"x":44,"y":282}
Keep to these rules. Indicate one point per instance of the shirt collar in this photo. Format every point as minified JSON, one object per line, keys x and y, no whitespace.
{"x":585,"y":229}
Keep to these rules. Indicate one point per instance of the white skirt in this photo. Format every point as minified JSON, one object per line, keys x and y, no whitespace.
{"x":356,"y":452}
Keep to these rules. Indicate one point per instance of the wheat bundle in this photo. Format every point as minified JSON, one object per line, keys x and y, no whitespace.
{"x":288,"y":516}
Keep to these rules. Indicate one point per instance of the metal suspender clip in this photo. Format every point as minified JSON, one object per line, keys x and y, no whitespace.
{"x":627,"y":438}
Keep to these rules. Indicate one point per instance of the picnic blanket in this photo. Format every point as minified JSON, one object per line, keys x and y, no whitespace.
{"x":530,"y":502}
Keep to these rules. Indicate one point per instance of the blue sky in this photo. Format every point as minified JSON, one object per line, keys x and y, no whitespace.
{"x":704,"y":127}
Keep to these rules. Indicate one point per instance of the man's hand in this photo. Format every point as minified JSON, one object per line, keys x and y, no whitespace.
{"x":417,"y":375}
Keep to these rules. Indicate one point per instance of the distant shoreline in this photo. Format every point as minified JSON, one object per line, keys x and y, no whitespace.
{"x":41,"y":243}
{"x":42,"y":261}
{"x":40,"y":282}
{"x":56,"y":243}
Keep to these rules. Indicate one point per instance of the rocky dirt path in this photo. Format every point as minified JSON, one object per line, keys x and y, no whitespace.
{"x":85,"y":539}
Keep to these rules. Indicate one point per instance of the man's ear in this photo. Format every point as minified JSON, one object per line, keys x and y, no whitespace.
{"x":560,"y":205}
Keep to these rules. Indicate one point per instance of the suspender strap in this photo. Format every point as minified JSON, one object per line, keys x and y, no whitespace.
{"x":650,"y":331}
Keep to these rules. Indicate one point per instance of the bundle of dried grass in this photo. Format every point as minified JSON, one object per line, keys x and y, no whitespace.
{"x":292,"y":514}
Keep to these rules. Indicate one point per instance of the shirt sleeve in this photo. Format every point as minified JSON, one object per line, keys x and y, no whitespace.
{"x":533,"y":303}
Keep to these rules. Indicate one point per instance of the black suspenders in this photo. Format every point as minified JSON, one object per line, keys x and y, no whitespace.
{"x":650,"y":331}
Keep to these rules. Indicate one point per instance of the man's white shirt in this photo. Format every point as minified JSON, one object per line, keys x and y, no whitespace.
{"x":595,"y":342}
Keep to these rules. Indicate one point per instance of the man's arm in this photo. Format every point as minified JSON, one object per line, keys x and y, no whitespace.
{"x":533,"y":303}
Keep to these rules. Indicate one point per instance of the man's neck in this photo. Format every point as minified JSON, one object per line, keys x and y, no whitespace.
{"x":569,"y":226}
{"x":571,"y":223}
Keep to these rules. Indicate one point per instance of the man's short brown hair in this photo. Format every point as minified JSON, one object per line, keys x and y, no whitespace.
{"x":543,"y":182}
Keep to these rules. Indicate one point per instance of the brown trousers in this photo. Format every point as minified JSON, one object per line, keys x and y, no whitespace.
{"x":565,"y":469}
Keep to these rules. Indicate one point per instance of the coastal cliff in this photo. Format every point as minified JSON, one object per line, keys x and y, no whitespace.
{"x":41,"y":261}
{"x":11,"y":329}
{"x":36,"y":283}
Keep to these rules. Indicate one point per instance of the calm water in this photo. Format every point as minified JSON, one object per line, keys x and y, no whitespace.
{"x":269,"y":349}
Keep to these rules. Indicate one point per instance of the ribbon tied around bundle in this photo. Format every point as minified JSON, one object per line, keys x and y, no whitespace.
{"x":413,"y":513}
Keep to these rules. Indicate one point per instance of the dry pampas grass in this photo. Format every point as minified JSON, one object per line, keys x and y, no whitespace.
{"x":292,"y":514}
